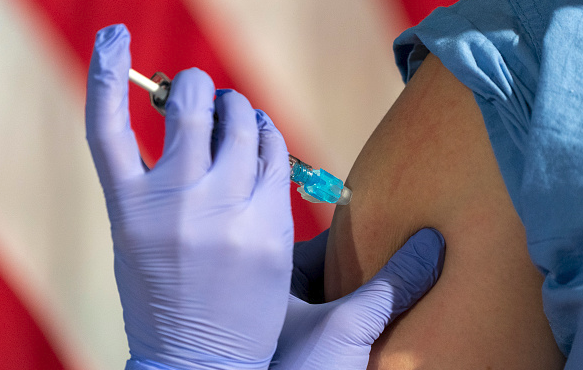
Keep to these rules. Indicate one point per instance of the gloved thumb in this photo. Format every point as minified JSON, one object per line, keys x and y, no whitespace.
{"x":408,"y":275}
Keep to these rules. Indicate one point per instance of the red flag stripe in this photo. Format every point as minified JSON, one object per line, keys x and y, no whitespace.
{"x":22,"y":343}
{"x":417,"y":10}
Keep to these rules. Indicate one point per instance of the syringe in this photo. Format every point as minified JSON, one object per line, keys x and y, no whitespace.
{"x":316,"y":186}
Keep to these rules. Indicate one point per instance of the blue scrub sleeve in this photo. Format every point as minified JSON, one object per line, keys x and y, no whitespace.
{"x":487,"y":48}
{"x":523,"y":61}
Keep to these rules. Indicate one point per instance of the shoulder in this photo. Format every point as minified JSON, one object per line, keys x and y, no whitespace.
{"x":475,"y":34}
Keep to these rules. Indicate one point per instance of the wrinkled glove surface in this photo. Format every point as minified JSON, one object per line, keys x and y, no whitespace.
{"x":339,"y":334}
{"x":203,"y":241}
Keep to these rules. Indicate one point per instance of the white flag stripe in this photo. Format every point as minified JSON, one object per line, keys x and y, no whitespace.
{"x":53,"y":224}
{"x":329,"y":64}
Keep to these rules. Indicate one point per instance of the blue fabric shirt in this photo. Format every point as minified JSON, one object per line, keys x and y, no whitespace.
{"x":523,"y":60}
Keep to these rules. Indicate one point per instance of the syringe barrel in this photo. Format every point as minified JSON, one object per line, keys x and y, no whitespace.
{"x":320,"y":185}
{"x":324,"y":186}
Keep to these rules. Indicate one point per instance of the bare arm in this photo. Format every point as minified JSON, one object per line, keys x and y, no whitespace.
{"x":430,"y":163}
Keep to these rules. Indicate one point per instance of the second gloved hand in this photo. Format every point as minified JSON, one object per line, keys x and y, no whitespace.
{"x":202,"y":242}
{"x":339,"y":334}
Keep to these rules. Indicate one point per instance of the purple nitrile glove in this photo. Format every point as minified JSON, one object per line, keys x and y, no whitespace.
{"x":202,"y":243}
{"x":308,"y":274}
{"x":339,"y":334}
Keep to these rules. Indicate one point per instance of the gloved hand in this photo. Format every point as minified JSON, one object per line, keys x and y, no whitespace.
{"x":202,"y":242}
{"x":307,"y":281}
{"x":339,"y":334}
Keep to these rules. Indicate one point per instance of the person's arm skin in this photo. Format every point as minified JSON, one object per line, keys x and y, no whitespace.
{"x":430,"y":164}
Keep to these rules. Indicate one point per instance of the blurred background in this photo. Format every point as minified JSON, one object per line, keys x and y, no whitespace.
{"x":323,"y":70}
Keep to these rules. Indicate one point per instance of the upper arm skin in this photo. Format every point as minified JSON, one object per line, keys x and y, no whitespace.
{"x":430,"y":164}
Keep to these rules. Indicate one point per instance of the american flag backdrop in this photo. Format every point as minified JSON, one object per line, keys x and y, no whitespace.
{"x":323,"y":70}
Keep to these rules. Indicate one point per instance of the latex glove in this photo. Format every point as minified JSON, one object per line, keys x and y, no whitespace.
{"x":339,"y":334}
{"x":308,"y":274}
{"x":202,"y":243}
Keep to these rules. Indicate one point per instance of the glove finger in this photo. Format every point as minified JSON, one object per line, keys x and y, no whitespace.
{"x":110,"y":137}
{"x":308,"y":273}
{"x":237,"y":147}
{"x":271,"y":195}
{"x":273,"y":171}
{"x":408,"y":275}
{"x":273,"y":184}
{"x":189,"y":124}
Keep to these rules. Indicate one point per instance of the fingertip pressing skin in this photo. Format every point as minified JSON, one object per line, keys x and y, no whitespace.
{"x":430,"y":246}
{"x":406,"y":277}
